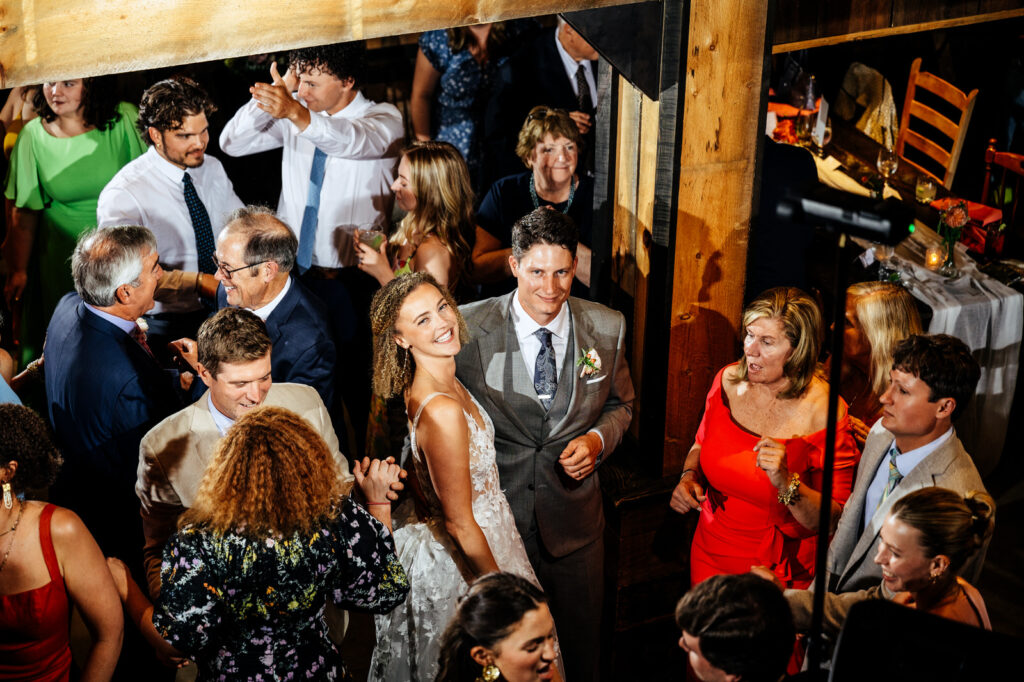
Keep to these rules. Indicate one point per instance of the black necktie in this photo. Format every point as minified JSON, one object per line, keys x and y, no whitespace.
{"x":545,"y":379}
{"x":583,"y":99}
{"x":200,"y":225}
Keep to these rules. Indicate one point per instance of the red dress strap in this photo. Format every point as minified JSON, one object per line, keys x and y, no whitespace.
{"x":46,"y":541}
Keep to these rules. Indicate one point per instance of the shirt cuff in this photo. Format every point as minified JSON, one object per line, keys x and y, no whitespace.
{"x":600,"y":455}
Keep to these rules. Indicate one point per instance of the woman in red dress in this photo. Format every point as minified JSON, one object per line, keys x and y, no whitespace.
{"x":754,"y":471}
{"x":48,"y":561}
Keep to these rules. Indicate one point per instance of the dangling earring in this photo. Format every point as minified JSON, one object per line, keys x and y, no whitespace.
{"x":8,"y":499}
{"x":490,"y":673}
{"x":405,"y":362}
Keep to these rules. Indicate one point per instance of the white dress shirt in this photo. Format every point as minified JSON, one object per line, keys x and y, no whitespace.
{"x":571,"y":66}
{"x":220,"y":420}
{"x":529,"y":344}
{"x":905,"y":463}
{"x":149,"y":191}
{"x":362,"y":143}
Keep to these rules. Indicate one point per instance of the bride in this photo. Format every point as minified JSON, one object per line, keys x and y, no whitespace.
{"x":466,"y":529}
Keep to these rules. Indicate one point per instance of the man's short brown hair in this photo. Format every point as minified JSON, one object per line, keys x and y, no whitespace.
{"x":233,"y":335}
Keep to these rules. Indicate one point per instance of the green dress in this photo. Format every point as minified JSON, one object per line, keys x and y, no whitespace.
{"x":61,"y":177}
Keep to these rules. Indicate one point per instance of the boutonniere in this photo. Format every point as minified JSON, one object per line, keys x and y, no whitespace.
{"x":590,"y":361}
{"x":143,"y":324}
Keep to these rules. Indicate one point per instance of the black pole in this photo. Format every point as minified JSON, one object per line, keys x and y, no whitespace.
{"x":816,"y":644}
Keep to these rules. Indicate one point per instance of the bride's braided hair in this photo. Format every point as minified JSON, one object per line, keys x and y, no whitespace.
{"x":393,"y":366}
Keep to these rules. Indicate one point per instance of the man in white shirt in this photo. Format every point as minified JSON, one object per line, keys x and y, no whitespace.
{"x":339,"y":159}
{"x":340,"y":149}
{"x":912,"y":446}
{"x":182,"y":195}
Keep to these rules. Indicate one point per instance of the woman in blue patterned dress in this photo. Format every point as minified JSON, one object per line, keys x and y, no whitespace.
{"x":269,"y":540}
{"x":457,"y":67}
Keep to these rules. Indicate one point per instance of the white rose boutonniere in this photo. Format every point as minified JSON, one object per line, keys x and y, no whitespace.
{"x":590,"y":362}
{"x":143,"y":324}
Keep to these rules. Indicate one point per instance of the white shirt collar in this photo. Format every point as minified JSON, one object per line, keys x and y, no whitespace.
{"x":264,"y":312}
{"x":221,"y":420}
{"x":526,"y":325}
{"x":173,"y":173}
{"x":127,"y":326}
{"x":353,"y":109}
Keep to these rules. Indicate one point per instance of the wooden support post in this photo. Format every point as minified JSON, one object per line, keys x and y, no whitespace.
{"x":725,"y":63}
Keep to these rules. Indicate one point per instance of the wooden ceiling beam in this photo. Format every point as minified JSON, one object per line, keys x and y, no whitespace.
{"x":47,"y":40}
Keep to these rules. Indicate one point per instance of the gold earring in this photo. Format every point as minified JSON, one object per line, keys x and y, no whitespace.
{"x":490,"y":673}
{"x":8,"y":499}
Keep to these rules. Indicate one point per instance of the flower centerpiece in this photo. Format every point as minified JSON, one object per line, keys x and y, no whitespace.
{"x":951,"y":225}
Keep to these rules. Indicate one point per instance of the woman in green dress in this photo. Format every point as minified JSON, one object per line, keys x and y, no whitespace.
{"x":60,"y":163}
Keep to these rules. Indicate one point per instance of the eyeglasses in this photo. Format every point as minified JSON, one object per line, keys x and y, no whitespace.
{"x":544,"y":112}
{"x":228,"y":273}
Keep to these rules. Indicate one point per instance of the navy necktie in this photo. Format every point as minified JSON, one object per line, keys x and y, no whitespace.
{"x":307,"y":233}
{"x":583,"y":99}
{"x":545,"y":379}
{"x":200,"y":226}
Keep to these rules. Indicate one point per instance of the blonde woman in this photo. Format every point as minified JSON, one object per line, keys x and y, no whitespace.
{"x":433,"y":189}
{"x":878,"y":316}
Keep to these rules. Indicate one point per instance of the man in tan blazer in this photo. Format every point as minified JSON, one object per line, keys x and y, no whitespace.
{"x":912,"y":446}
{"x":234,"y":363}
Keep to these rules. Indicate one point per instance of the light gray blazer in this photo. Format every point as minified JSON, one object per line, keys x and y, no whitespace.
{"x":568,"y":513}
{"x":851,"y":555}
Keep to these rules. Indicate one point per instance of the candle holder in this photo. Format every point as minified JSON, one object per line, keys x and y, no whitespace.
{"x":934,"y":257}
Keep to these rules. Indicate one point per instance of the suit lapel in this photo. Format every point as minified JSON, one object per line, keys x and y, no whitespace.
{"x":494,"y":355}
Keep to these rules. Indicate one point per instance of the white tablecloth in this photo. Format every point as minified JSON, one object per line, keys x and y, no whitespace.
{"x":989,"y":317}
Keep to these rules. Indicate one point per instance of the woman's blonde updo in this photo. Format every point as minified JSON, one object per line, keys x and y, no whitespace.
{"x":393,"y":366}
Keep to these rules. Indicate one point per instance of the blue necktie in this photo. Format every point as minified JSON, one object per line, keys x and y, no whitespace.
{"x":894,"y":475}
{"x":307,"y":234}
{"x":545,"y":379}
{"x":200,"y":226}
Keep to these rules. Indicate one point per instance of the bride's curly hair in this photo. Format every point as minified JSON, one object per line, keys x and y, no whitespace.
{"x":272,"y":474}
{"x":393,"y":366}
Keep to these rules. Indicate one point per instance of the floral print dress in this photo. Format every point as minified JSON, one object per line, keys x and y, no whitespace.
{"x":253,"y":609}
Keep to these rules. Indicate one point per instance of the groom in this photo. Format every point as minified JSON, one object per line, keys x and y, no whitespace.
{"x":555,"y":419}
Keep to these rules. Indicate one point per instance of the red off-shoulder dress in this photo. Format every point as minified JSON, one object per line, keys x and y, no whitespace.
{"x":742,"y":523}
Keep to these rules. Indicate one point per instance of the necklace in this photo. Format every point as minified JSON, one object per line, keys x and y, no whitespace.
{"x":14,"y":529}
{"x":568,"y":203}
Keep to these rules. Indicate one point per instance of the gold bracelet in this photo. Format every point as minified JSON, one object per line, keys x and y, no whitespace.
{"x":792,"y":493}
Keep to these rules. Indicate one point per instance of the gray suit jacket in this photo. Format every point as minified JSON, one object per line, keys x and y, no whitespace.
{"x":568,"y":513}
{"x":174,"y":454}
{"x":851,"y":555}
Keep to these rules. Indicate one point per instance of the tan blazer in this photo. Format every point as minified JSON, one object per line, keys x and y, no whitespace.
{"x":851,"y":555}
{"x":174,"y":454}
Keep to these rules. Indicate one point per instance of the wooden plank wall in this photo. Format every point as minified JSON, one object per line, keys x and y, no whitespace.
{"x":45,"y":40}
{"x":721,"y":110}
{"x":810,"y":23}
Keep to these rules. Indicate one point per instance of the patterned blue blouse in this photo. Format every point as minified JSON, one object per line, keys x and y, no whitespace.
{"x":254,"y":609}
{"x":462,"y":91}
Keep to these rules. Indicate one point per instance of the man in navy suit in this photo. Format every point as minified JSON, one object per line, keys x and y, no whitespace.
{"x":104,"y":389}
{"x":255,"y":256}
{"x":548,"y":70}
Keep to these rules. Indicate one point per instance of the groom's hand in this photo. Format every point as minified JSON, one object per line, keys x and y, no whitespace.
{"x":580,"y":456}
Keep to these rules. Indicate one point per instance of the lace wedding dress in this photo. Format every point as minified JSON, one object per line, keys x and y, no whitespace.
{"x":409,"y":638}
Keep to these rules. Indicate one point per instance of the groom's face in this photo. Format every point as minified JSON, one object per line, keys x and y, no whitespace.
{"x":545,"y":275}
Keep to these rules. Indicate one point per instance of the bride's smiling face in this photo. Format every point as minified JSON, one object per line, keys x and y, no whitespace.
{"x":427,"y":323}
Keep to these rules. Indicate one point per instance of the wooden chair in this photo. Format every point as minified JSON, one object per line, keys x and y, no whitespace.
{"x":1010,"y":170}
{"x":955,"y":129}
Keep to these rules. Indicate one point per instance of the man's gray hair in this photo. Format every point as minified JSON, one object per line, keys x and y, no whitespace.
{"x":106,"y":258}
{"x":267,"y":238}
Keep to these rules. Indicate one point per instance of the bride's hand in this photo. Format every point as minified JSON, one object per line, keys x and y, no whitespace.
{"x":379,"y":480}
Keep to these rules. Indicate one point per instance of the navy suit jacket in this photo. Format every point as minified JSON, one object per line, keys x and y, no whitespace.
{"x":103,"y":393}
{"x":303,"y":351}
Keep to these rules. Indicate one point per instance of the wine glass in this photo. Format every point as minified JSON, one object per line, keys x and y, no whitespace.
{"x":887,"y":164}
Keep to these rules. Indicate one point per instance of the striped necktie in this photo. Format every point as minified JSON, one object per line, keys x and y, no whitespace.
{"x":894,"y":474}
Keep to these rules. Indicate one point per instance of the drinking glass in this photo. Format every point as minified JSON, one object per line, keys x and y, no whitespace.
{"x":924,"y":190}
{"x":887,"y":163}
